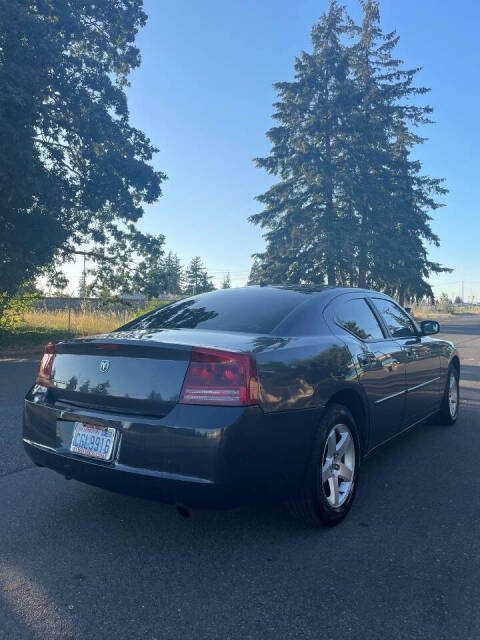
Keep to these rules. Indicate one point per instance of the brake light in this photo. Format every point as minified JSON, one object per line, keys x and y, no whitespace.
{"x":46,"y":364}
{"x":221,"y":378}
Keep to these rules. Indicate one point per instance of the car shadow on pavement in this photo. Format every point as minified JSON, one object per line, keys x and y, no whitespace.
{"x":89,"y":545}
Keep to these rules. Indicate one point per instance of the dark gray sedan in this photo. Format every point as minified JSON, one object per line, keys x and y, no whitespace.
{"x":239,"y":395}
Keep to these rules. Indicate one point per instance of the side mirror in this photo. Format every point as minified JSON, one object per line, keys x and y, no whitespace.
{"x":429,"y":327}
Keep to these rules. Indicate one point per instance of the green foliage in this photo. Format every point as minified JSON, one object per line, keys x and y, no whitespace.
{"x":444,"y":304}
{"x":257,"y":271}
{"x":151,"y":306}
{"x":173,"y":273}
{"x":72,"y":169}
{"x":13,"y":308}
{"x":351,"y":206}
{"x":226,"y":284}
{"x":82,"y":286}
{"x":141,"y":267}
{"x":196,"y":278}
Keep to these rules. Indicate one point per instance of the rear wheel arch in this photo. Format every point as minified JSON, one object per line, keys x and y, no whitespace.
{"x":355,"y":403}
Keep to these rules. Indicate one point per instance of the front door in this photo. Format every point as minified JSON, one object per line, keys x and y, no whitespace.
{"x":380,"y":363}
{"x":422,"y":361}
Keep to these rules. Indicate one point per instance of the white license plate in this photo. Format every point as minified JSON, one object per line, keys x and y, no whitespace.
{"x":92,"y":441}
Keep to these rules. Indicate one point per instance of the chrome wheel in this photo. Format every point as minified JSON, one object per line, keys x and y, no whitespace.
{"x":338,"y":465}
{"x":453,"y":395}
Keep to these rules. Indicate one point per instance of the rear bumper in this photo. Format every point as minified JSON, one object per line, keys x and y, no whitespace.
{"x":200,"y":456}
{"x":159,"y":485}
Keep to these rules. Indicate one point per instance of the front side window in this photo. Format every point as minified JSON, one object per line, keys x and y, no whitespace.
{"x":355,"y":316}
{"x":397,"y":321}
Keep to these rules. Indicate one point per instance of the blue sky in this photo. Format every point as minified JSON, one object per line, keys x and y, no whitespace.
{"x":204,"y":96}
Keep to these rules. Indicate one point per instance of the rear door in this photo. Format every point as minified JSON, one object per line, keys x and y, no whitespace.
{"x":379,"y":359}
{"x":422,"y":360}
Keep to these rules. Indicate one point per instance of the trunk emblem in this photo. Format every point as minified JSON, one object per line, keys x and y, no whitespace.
{"x":104,"y":366}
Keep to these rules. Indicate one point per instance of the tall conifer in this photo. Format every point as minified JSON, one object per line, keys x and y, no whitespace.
{"x":304,"y":211}
{"x":351,"y":207}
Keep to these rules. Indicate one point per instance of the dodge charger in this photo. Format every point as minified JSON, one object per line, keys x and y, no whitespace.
{"x":262,"y":392}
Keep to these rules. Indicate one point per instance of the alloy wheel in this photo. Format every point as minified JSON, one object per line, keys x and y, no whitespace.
{"x":338,"y":465}
{"x":453,"y":395}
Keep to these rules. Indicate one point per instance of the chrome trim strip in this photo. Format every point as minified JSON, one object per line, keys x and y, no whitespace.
{"x":40,"y":446}
{"x":394,"y":395}
{"x":418,"y":386}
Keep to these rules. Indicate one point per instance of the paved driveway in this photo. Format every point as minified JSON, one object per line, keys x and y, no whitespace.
{"x":79,"y":562}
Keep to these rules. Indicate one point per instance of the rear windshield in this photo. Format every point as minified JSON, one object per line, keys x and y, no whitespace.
{"x":250,"y":310}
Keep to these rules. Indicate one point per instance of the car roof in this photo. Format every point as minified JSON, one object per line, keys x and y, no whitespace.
{"x":313,"y":289}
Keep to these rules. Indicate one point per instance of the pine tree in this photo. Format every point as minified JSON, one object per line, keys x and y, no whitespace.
{"x":193,"y":275}
{"x":226,"y":284}
{"x":206,"y":283}
{"x":256,"y":272}
{"x":390,"y":197}
{"x":173,"y":273}
{"x":196,"y":277}
{"x":307,"y":211}
{"x":352,"y":206}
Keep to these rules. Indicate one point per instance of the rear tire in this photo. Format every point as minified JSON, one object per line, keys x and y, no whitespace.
{"x":331,"y":476}
{"x":448,"y":413}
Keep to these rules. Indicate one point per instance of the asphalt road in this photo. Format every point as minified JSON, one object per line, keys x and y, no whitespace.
{"x":79,"y":562}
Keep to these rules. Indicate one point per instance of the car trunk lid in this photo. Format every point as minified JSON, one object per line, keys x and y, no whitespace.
{"x":118,"y":375}
{"x":139,"y":372}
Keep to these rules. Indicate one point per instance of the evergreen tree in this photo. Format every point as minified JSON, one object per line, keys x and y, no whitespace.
{"x":390,"y":197}
{"x":352,"y":206}
{"x":307,"y":212}
{"x":206,"y":283}
{"x":129,"y":263}
{"x":196,"y":278}
{"x":226,"y":284}
{"x":256,"y":271}
{"x":149,"y":277}
{"x":173,"y":273}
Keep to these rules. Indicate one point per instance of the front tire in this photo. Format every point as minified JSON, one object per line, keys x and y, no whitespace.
{"x":331,"y":477}
{"x":448,"y":413}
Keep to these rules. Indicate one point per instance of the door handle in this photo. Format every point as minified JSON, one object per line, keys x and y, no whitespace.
{"x":410,"y":353}
{"x":366,"y":359}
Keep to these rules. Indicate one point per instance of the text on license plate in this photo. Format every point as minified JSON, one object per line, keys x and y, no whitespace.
{"x":93,"y":441}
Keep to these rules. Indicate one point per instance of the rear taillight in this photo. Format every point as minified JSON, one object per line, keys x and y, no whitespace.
{"x":221,"y":378}
{"x":46,"y":364}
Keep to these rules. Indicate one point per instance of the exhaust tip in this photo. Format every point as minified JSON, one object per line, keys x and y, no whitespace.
{"x":183,"y":511}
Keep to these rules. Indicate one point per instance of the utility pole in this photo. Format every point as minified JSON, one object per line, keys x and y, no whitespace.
{"x":90,"y":254}
{"x":463,"y":291}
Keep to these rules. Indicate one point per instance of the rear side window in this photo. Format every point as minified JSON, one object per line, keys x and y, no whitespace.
{"x":249,"y":310}
{"x":397,"y":321}
{"x":355,"y":316}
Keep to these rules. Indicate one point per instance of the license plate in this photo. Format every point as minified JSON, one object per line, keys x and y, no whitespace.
{"x":92,"y":441}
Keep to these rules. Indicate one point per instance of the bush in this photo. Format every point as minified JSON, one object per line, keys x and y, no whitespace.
{"x":444,"y":304}
{"x":13,"y":309}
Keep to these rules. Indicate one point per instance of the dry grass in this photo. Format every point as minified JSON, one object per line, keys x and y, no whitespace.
{"x":39,"y":327}
{"x":438,"y":313}
{"x":75,"y":323}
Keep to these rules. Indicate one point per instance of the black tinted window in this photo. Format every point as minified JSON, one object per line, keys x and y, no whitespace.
{"x":251,"y":310}
{"x":397,"y":321}
{"x":356,"y":317}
